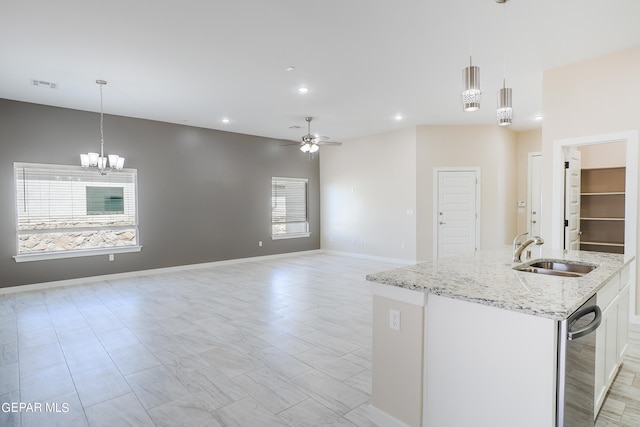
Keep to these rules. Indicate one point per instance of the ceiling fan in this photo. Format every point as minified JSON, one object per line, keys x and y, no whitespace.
{"x":311,"y":143}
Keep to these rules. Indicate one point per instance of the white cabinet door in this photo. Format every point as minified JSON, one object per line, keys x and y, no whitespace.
{"x":623,"y":322}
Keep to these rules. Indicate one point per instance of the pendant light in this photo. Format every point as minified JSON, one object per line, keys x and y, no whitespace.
{"x":504,"y":112}
{"x":103,"y":164}
{"x":471,"y":92}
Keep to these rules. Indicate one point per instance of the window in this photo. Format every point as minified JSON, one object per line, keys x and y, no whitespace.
{"x":289,"y":211}
{"x":67,"y":211}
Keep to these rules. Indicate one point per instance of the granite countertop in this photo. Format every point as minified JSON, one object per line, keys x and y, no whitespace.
{"x":487,"y":277}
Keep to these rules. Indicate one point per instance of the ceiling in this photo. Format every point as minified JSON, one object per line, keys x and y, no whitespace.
{"x":196,"y":62}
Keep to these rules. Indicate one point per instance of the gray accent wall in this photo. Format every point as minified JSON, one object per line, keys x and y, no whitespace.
{"x":203,"y":195}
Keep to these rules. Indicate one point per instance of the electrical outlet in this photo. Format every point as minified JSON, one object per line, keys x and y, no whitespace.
{"x":260,"y":243}
{"x":394,"y":319}
{"x":112,"y":257}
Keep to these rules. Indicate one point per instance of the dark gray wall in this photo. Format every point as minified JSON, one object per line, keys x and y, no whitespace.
{"x":203,"y":195}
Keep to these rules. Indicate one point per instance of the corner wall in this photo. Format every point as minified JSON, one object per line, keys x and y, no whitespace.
{"x":368,"y":195}
{"x":489,"y":147}
{"x":203,"y":195}
{"x":594,"y":97}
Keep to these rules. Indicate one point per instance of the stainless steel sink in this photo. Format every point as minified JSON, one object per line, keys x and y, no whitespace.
{"x":556,"y":268}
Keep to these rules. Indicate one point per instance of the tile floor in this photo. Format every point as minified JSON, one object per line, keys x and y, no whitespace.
{"x":267,"y":343}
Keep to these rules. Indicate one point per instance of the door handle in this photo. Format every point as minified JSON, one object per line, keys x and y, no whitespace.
{"x":442,"y":223}
{"x":592,"y":326}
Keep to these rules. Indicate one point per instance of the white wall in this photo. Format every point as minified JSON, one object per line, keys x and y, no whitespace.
{"x":490,"y":147}
{"x":528,"y":142}
{"x":594,"y":97}
{"x":367,"y":187}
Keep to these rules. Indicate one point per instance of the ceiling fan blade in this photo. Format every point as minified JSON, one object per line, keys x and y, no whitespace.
{"x":329,"y":143}
{"x":290,"y":143}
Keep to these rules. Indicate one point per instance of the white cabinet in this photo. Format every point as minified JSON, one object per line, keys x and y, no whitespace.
{"x":612,"y":334}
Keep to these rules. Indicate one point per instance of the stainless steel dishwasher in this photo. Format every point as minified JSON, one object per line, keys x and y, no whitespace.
{"x":576,"y":366}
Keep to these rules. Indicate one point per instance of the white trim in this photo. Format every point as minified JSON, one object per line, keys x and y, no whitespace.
{"x":379,"y":417}
{"x":137,"y":273}
{"x":371,"y":257}
{"x":475,"y":169}
{"x":289,"y":236}
{"x":413,"y":297}
{"x":530,"y":157}
{"x":77,"y":253}
{"x":631,"y":196}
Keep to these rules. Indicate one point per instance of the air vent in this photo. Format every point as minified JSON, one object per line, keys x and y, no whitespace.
{"x":42,"y":83}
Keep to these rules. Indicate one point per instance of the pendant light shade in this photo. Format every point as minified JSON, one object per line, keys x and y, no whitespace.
{"x":505,"y":110}
{"x":471,"y":92}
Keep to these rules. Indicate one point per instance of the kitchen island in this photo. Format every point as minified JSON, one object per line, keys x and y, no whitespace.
{"x":471,"y":341}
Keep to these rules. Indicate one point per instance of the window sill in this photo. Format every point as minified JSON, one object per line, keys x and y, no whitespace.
{"x":76,"y":254}
{"x":289,"y":236}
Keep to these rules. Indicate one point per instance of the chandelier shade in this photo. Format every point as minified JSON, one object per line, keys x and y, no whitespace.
{"x":103,"y":164}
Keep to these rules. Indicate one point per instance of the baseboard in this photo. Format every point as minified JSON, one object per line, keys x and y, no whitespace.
{"x":381,"y":418}
{"x":371,"y":257}
{"x":137,"y":273}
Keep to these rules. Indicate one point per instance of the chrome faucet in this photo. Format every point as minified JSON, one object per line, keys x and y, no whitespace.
{"x":519,"y":247}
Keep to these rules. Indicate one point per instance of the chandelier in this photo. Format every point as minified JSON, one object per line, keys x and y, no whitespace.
{"x":103,"y":164}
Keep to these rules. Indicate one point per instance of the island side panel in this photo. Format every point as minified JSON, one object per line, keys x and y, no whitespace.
{"x":397,"y":359}
{"x":488,"y":366}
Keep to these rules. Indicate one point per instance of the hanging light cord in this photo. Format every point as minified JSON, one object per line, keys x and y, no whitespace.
{"x":101,"y":123}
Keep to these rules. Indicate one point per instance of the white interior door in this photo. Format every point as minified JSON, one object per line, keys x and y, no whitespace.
{"x":572,"y":199}
{"x":534,"y":217}
{"x":456,"y":212}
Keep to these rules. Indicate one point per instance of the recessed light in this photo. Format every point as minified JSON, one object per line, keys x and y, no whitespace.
{"x":303,"y":89}
{"x":398,"y":117}
{"x":537,"y":117}
{"x":225,"y":120}
{"x":290,"y":68}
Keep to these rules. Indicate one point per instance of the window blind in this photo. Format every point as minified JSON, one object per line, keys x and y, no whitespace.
{"x":289,"y":213}
{"x":55,"y":208}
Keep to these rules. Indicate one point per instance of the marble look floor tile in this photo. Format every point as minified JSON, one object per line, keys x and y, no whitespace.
{"x":231,"y":361}
{"x":41,"y":356}
{"x":133,"y":359}
{"x":156,"y":386}
{"x":9,"y":353}
{"x":311,"y":413}
{"x":44,"y":384}
{"x":36,"y":337}
{"x":87,"y":357}
{"x":247,"y":412}
{"x":361,"y":417}
{"x":326,"y":361}
{"x":211,"y":387}
{"x":280,"y":362}
{"x":123,"y":411}
{"x":63,"y":411}
{"x":270,"y":390}
{"x":100,"y":384}
{"x":187,"y":412}
{"x":9,"y":379}
{"x":286,"y":342}
{"x":332,"y":393}
{"x":9,"y":418}
{"x":113,"y":339}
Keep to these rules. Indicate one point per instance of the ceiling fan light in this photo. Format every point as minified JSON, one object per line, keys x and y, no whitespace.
{"x":314,"y":147}
{"x":305,"y":147}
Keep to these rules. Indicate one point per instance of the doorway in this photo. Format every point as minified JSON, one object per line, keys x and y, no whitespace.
{"x":456,"y":220}
{"x":630,"y":138}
